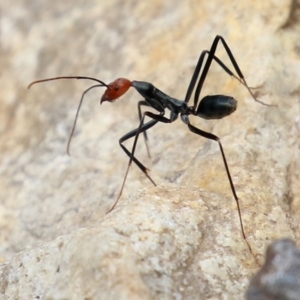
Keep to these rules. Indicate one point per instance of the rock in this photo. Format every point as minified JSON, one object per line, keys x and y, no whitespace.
{"x":279,"y":277}
{"x":167,"y":244}
{"x":48,"y":198}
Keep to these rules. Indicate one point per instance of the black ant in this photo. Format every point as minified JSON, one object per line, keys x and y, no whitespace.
{"x":209,"y":107}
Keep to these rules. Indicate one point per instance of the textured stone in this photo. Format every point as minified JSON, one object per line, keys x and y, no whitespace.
{"x":162,"y":246}
{"x":48,"y":197}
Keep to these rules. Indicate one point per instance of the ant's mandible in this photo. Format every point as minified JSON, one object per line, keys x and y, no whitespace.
{"x":209,"y":107}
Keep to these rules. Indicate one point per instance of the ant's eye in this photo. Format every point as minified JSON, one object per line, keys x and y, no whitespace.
{"x":116,"y":87}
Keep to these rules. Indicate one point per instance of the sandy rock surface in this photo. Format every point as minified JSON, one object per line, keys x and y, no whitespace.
{"x":181,"y":239}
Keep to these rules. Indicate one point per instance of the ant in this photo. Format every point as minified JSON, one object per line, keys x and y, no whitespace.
{"x":209,"y":107}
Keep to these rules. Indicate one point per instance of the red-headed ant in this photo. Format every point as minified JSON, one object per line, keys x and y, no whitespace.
{"x":209,"y":107}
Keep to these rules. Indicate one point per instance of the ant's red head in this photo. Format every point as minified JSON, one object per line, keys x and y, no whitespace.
{"x":116,"y":89}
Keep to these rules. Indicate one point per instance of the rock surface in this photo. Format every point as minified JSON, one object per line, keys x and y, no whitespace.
{"x":181,"y":239}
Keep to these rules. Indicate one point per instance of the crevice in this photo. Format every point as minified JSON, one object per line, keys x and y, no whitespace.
{"x":288,"y":198}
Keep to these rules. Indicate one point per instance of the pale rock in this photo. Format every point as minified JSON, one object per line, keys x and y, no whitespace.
{"x":180,"y":240}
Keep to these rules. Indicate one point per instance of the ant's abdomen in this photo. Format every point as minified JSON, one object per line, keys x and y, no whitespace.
{"x":216,"y":107}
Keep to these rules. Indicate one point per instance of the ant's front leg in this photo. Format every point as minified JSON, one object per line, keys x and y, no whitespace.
{"x":136,"y":132}
{"x":144,"y":103}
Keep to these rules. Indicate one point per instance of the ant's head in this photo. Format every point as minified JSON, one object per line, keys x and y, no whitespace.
{"x":116,"y":89}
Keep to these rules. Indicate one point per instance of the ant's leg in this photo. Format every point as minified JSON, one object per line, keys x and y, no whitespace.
{"x":132,"y":134}
{"x":124,"y":138}
{"x":195,"y":77}
{"x":197,"y":72}
{"x":136,"y":132}
{"x":217,"y":139}
{"x":211,"y":56}
{"x":225,"y":68}
{"x":155,"y":117}
{"x":140,"y":103}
